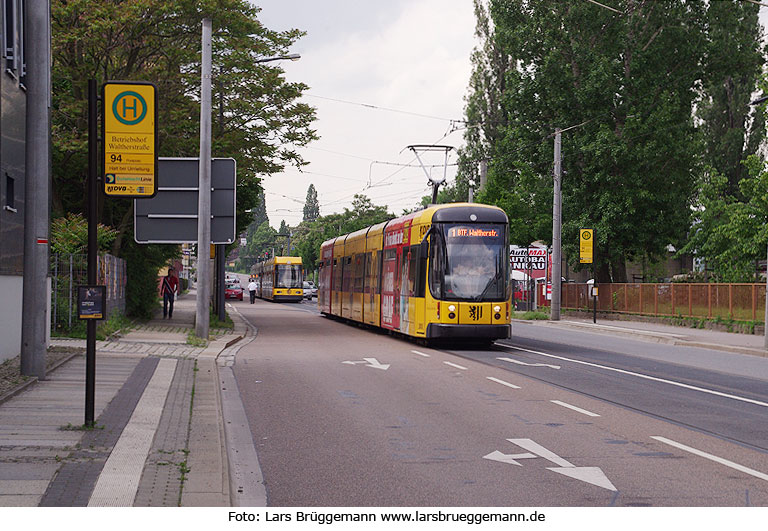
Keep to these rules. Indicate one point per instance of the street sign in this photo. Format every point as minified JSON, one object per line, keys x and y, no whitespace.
{"x":130,"y":141}
{"x":586,"y":245}
{"x":171,"y":216}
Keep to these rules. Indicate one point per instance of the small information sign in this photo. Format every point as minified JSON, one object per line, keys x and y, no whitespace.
{"x":586,"y":245}
{"x":130,"y":139}
{"x":91,"y":302}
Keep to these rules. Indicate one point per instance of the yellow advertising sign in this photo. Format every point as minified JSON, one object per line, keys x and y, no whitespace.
{"x":586,"y":246}
{"x":130,"y":139}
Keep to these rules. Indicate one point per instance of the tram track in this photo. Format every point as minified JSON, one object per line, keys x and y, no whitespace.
{"x":580,"y":390}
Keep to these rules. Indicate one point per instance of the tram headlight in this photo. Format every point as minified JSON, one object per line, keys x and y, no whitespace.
{"x":451,"y":308}
{"x":497,"y":308}
{"x":452,"y":311}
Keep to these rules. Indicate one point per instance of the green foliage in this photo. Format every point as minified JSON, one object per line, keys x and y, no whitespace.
{"x":258,"y":118}
{"x":731,"y":233}
{"x":311,"y":205}
{"x":628,"y":84}
{"x":309,"y":236}
{"x":69,"y":235}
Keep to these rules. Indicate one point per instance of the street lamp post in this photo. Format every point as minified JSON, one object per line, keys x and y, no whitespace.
{"x":202,"y":317}
{"x":765,"y":317}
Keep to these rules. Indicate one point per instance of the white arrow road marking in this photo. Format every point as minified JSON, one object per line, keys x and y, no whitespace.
{"x":589,"y":474}
{"x":539,"y":450}
{"x":374,"y":363}
{"x":370,"y":362}
{"x":510,"y":360}
{"x":507,"y":458}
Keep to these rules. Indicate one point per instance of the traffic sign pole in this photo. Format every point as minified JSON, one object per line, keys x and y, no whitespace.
{"x":90,"y":343}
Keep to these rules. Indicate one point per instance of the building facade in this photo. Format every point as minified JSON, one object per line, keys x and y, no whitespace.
{"x":13,"y":107}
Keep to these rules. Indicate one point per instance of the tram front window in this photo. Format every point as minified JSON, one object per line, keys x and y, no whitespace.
{"x":289,"y":276}
{"x":469,"y":262}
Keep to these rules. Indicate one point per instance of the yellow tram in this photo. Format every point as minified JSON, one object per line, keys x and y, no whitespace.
{"x":442,"y":272}
{"x":280,"y":278}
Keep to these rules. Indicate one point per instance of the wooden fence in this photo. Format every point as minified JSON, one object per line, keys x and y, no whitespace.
{"x":743,"y":302}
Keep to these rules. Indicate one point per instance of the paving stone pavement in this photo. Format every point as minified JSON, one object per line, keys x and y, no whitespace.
{"x":48,"y":459}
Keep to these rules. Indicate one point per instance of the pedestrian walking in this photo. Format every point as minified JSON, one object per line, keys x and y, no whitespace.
{"x":168,"y":289}
{"x":252,"y":290}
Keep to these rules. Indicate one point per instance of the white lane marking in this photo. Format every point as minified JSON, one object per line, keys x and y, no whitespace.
{"x":569,"y":406}
{"x":711,"y":457}
{"x":421,"y":353}
{"x":454,"y":365}
{"x":370,"y":362}
{"x":502,"y":382}
{"x":588,"y":474}
{"x":119,"y":480}
{"x":646,"y":377}
{"x":518,"y":362}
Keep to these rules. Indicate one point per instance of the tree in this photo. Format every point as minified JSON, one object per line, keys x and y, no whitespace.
{"x":311,"y":205}
{"x":731,"y":230}
{"x":259,"y":120}
{"x":627,"y":80}
{"x":732,"y":67}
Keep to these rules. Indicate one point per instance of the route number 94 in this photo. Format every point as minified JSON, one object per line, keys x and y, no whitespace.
{"x":115,"y":158}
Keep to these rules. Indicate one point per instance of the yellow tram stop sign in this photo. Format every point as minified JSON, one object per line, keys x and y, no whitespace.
{"x":130,"y":139}
{"x":586,"y":245}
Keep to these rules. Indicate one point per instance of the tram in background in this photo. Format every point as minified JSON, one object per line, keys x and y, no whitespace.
{"x":442,"y":272}
{"x":280,"y":278}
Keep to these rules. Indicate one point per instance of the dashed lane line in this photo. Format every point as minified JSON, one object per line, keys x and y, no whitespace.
{"x":455,"y":365}
{"x":421,"y":353}
{"x":569,"y":406}
{"x":502,"y":382}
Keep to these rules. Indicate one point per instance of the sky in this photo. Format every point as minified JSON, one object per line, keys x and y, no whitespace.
{"x":410,"y":59}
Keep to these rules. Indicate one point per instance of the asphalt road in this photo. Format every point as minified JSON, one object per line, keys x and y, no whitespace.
{"x":344,"y":416}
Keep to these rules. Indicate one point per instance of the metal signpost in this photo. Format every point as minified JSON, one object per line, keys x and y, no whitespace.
{"x":586,"y":256}
{"x":129,"y":127}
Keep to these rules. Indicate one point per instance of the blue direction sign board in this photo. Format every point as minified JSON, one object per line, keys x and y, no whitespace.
{"x":171,"y":216}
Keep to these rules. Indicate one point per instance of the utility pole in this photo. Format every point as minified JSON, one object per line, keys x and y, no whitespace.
{"x":202,"y":317}
{"x":34,"y":328}
{"x":556,"y":229}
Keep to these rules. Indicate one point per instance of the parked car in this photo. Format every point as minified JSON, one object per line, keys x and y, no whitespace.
{"x":309,"y":290}
{"x":233,"y":291}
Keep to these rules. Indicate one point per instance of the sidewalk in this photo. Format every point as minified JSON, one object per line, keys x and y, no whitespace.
{"x":149,"y":447}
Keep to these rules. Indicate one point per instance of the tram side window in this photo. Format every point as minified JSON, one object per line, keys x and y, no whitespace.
{"x":359,"y":272}
{"x":436,"y":266}
{"x":336,"y":275}
{"x":413,"y":264}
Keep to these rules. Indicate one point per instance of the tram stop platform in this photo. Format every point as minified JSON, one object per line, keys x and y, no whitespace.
{"x":159,"y":435}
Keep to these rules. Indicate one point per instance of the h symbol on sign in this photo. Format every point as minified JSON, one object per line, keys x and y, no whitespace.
{"x":133,"y":107}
